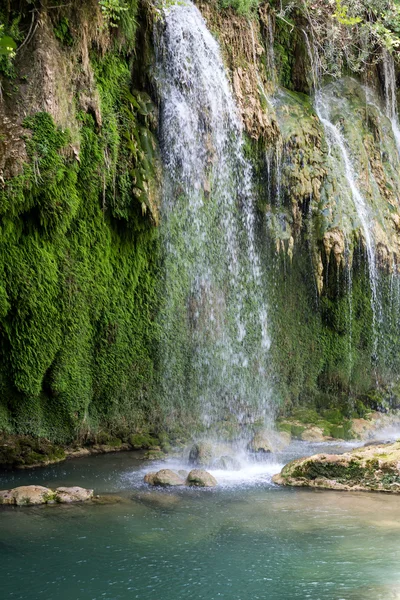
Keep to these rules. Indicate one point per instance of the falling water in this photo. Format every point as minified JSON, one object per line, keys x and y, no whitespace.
{"x":325,"y":103}
{"x":214,"y":320}
{"x":390,"y":95}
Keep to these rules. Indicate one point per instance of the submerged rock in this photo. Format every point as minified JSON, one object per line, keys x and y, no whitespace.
{"x":370,"y":468}
{"x":164,"y":478}
{"x":200,"y":478}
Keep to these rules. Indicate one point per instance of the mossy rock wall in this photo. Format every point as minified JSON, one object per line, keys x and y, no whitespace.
{"x":80,"y":254}
{"x":79,"y":242}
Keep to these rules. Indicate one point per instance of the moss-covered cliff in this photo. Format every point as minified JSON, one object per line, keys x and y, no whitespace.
{"x":81,"y":263}
{"x":79,"y":243}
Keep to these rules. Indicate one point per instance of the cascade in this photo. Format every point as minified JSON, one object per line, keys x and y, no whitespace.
{"x":214,"y":319}
{"x":390,"y":95}
{"x":325,"y":102}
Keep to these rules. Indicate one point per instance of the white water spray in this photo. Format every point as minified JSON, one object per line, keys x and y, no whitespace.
{"x":214,"y":288}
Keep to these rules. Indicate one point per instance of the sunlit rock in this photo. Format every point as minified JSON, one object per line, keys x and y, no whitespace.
{"x":164,"y":478}
{"x":68,"y":495}
{"x":371,"y":468}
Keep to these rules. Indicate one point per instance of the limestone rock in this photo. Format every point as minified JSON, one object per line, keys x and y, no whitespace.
{"x":200,"y":478}
{"x":6,"y":497}
{"x":165,"y":478}
{"x":68,"y":495}
{"x":31,"y":494}
{"x":260,"y":443}
{"x":201,"y":454}
{"x":370,"y":468}
{"x":313,"y":434}
{"x":269,"y":441}
{"x":149,"y":478}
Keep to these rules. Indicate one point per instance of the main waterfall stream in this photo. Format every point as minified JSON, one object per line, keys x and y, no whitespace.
{"x":214,"y":320}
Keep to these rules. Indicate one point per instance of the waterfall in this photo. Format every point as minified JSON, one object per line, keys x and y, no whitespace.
{"x":214,"y":318}
{"x":325,"y":102}
{"x":390,"y":95}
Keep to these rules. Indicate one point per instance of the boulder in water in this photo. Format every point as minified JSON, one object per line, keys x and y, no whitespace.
{"x":69,"y":495}
{"x":313,"y":434}
{"x":31,"y":494}
{"x":164,"y":478}
{"x":260,"y":443}
{"x":200,"y":478}
{"x":227,"y":463}
{"x":269,"y":441}
{"x":370,"y":468}
{"x":149,"y":478}
{"x":6,"y":497}
{"x":201,"y":454}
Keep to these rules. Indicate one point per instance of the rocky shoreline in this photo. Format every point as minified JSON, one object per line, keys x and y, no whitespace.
{"x":371,"y":468}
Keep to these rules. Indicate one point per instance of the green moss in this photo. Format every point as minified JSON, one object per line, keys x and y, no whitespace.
{"x":78,"y":271}
{"x":145,"y":441}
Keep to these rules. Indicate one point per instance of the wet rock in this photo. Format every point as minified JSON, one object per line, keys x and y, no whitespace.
{"x":200,"y":478}
{"x":313,"y":434}
{"x":227,"y":463}
{"x":260,"y":443}
{"x":6,"y":497}
{"x":68,"y":495}
{"x":165,"y":478}
{"x":370,"y":468}
{"x":201,"y":454}
{"x":154,"y":454}
{"x":31,"y":494}
{"x":149,"y":478}
{"x":107,"y":499}
{"x":269,"y":441}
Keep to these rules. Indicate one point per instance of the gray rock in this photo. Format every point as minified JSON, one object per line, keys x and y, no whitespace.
{"x":200,"y":478}
{"x":166,"y":478}
{"x":201,"y":454}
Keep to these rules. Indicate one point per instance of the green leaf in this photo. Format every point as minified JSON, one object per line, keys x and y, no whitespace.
{"x":7,"y":45}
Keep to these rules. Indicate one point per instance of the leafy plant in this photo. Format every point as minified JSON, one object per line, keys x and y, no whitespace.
{"x":112,"y":11}
{"x":7,"y":44}
{"x":342,"y":16}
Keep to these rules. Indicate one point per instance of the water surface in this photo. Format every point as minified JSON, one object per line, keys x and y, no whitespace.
{"x":246,"y":539}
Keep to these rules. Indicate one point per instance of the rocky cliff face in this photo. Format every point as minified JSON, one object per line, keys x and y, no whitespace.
{"x":80,"y":175}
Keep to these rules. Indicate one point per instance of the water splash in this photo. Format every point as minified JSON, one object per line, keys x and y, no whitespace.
{"x":216,"y":342}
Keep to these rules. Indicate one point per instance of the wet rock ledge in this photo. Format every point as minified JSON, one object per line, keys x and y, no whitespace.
{"x":374,"y":467}
{"x":30,"y":495}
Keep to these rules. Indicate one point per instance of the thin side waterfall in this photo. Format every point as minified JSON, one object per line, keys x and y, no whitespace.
{"x":390,"y":95}
{"x":214,"y":322}
{"x":324,"y":104}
